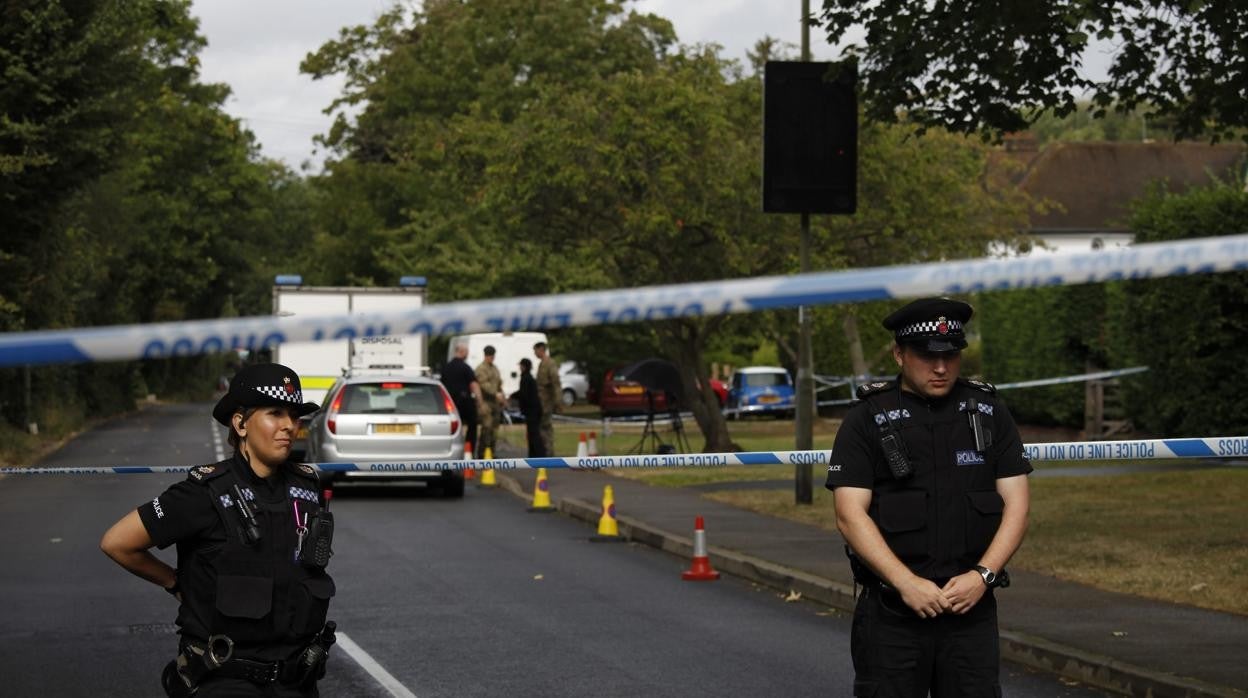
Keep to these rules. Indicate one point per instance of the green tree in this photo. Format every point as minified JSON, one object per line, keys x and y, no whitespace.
{"x":132,"y":196}
{"x":990,"y":66}
{"x":1190,"y":331}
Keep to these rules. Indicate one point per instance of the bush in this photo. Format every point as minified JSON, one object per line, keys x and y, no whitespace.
{"x":1189,"y":330}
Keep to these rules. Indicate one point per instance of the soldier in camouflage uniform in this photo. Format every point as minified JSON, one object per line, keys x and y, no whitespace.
{"x":492,"y":401}
{"x":549,"y":390}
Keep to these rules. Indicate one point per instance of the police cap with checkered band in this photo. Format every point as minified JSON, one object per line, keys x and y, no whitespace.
{"x":932,"y":324}
{"x":263,"y":385}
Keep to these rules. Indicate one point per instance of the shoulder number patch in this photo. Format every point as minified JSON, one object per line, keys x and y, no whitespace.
{"x":202,"y":472}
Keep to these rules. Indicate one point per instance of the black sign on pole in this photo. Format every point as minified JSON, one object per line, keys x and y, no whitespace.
{"x":810,"y":137}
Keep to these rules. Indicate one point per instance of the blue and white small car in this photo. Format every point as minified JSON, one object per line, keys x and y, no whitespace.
{"x":761,"y":390}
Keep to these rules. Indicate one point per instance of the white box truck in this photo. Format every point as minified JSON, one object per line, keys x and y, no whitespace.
{"x":319,"y":364}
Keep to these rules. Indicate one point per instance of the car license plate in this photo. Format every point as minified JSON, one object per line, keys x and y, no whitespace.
{"x":630,"y":390}
{"x":769,"y":399}
{"x":394,"y":428}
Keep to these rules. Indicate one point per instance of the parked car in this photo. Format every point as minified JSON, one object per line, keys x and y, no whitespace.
{"x":761,"y":390}
{"x":721,"y":392}
{"x":574,"y":381}
{"x":385,"y":417}
{"x":638,"y":388}
{"x":624,"y":388}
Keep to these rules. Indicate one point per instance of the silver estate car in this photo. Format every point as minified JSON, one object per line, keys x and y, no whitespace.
{"x":389,"y":417}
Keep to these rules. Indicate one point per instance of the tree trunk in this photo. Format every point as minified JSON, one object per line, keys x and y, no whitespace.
{"x":685,"y":344}
{"x":854,"y":340}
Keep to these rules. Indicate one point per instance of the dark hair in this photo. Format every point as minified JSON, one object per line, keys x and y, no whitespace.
{"x":489,"y":350}
{"x":525,"y":364}
{"x":540,"y":345}
{"x":234,"y":439}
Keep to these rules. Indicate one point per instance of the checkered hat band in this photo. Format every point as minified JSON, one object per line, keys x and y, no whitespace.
{"x":279,"y":392}
{"x":932,"y":327}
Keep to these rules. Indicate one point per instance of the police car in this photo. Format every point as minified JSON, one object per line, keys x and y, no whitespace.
{"x":393,"y":418}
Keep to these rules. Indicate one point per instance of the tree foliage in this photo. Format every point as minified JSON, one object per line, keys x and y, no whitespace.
{"x":127,"y":194}
{"x":1190,"y":331}
{"x":507,"y":147}
{"x":989,"y":66}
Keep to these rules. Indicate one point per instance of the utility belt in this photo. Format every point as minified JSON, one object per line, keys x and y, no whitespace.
{"x":199,"y":661}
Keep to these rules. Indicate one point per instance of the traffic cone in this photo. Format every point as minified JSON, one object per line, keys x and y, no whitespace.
{"x":582,"y":447}
{"x":701,"y":571}
{"x":487,"y":475}
{"x":593,"y":444}
{"x":541,"y":494}
{"x":608,"y":527}
{"x":469,"y":473}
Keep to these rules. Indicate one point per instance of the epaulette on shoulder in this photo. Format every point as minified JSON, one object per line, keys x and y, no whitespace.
{"x":866,"y":390}
{"x":979,"y":385}
{"x":204,"y":473}
{"x":305,"y":470}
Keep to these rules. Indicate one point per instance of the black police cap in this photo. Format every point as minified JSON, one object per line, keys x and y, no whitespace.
{"x":263,"y":385}
{"x":933,"y":324}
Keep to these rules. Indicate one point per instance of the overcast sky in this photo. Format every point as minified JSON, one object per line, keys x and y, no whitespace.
{"x":255,"y":47}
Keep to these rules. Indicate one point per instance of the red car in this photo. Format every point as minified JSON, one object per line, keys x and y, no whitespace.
{"x":628,"y":390}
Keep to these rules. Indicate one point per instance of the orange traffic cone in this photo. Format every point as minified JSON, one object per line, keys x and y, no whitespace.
{"x":593,"y":444}
{"x":541,"y":494}
{"x":582,"y":447}
{"x":469,"y":473}
{"x":701,"y":571}
{"x":608,"y":527}
{"x":487,"y":475}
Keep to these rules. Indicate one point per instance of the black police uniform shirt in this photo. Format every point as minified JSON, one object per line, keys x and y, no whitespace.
{"x":941,"y":519}
{"x":269,"y":604}
{"x":458,"y":378}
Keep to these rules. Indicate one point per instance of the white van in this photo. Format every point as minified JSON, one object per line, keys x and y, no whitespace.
{"x":509,"y":348}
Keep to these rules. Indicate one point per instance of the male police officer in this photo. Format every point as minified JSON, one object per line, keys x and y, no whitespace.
{"x":549,"y":390}
{"x":490,"y":382}
{"x":931,"y":493}
{"x":253,"y":541}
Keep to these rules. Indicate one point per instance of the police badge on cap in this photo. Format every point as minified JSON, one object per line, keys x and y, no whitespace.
{"x":933,"y":324}
{"x":263,"y":385}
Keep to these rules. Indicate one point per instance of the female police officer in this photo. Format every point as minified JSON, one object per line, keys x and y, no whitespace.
{"x":253,"y":541}
{"x":930,"y":483}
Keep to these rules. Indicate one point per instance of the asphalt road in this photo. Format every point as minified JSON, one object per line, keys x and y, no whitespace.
{"x":474,"y":597}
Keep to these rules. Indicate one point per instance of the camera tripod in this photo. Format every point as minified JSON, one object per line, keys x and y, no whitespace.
{"x":651,"y":442}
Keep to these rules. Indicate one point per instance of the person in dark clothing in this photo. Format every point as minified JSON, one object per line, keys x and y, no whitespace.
{"x":461,"y":382}
{"x":253,"y":534}
{"x":929,"y":477}
{"x":531,"y":408}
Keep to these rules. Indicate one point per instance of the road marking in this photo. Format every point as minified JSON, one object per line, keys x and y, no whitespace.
{"x":367,"y":663}
{"x":216,"y":442}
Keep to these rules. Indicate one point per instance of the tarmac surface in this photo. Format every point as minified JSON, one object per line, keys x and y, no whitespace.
{"x":1119,"y":642}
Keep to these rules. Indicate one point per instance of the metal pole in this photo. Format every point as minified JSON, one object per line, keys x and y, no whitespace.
{"x":803,"y":476}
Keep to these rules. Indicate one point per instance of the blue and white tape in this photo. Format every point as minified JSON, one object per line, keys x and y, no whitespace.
{"x":1151,"y":449}
{"x":1082,"y":377}
{"x":162,"y":340}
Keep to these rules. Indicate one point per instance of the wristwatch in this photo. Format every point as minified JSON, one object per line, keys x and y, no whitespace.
{"x":990,"y":577}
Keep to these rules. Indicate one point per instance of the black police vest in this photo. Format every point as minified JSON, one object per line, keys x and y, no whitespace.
{"x":259,"y":595}
{"x":941,"y":519}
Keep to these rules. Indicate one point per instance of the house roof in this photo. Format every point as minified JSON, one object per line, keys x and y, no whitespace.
{"x":1094,"y":183}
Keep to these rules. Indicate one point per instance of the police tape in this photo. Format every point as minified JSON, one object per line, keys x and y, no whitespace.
{"x":162,"y":340}
{"x":588,"y":463}
{"x":1082,"y":377}
{"x":1150,"y":449}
